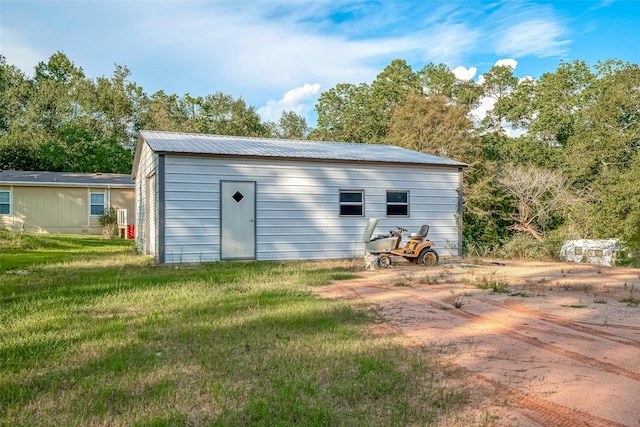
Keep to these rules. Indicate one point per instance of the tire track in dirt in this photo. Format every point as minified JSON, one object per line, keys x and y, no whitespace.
{"x":608,"y":367}
{"x":609,"y":325}
{"x":536,"y":409}
{"x":550,"y":318}
{"x":544,"y":412}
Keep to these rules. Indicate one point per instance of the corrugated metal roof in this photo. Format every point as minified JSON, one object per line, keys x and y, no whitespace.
{"x":65,"y":178}
{"x":190,"y":143}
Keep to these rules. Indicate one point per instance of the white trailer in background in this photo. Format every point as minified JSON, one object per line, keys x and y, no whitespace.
{"x":602,"y":252}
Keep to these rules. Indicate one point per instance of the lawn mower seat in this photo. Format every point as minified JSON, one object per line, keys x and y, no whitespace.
{"x":420,"y":234}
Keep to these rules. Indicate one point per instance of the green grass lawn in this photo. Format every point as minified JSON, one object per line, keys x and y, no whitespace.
{"x":92,"y":334}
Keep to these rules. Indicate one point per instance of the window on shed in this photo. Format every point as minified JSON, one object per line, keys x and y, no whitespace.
{"x":5,"y":202}
{"x":97,"y":204}
{"x":351,"y":202}
{"x":397,"y":203}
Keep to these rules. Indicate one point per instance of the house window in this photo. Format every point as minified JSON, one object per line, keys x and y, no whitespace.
{"x":351,"y":202}
{"x":97,"y":204}
{"x":397,"y":203}
{"x":5,"y":202}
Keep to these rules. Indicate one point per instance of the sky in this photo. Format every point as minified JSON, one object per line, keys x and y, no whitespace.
{"x":281,"y":55}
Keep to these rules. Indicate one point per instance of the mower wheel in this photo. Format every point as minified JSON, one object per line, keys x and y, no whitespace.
{"x":428,"y":257}
{"x":384,"y":261}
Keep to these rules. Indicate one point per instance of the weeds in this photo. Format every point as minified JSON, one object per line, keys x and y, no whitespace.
{"x":631,"y":300}
{"x":496,"y":286}
{"x":93,"y":335}
{"x":428,"y":280}
{"x":402,"y":284}
{"x":459,"y":302}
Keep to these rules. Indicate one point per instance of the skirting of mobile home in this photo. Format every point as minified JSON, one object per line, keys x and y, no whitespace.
{"x":203,"y":198}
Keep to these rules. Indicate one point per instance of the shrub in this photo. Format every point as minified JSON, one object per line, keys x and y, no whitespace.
{"x":109,"y":223}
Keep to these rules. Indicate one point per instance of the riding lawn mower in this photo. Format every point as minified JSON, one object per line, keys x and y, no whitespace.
{"x":417,"y":250}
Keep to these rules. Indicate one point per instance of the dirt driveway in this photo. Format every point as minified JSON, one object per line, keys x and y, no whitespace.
{"x":546,"y":344}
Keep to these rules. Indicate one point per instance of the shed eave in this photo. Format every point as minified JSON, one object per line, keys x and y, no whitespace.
{"x":453,"y":165}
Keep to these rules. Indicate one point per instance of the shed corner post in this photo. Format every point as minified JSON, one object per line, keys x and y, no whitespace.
{"x":161,"y":211}
{"x":460,"y":208}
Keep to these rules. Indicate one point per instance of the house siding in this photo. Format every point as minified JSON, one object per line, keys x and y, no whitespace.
{"x":59,"y":209}
{"x":145,"y":202}
{"x":297,"y":205}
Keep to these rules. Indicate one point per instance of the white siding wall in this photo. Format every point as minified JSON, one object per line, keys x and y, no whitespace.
{"x":147,"y":165}
{"x":297,"y":206}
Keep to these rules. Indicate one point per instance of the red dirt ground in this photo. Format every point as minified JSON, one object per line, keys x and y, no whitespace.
{"x":556,"y":347}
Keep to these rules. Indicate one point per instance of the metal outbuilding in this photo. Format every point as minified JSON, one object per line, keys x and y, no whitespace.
{"x":210,"y":197}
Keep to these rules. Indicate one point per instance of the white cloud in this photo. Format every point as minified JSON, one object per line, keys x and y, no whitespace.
{"x":291,"y":101}
{"x":259,"y":50}
{"x":535,"y":37}
{"x":509,"y":62}
{"x":529,"y":30}
{"x":446,"y":43}
{"x":463,"y":73}
{"x":280,"y":45}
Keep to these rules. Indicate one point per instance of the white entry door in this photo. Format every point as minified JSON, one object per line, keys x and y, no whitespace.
{"x":238,"y":220}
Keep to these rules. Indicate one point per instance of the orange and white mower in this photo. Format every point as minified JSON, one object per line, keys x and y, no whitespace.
{"x":418,"y":249}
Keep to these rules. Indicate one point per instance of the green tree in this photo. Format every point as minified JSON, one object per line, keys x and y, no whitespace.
{"x":222,"y":114}
{"x":15,"y":90}
{"x":341,"y":112}
{"x":113,"y":106}
{"x":486,"y":210}
{"x":549,"y":108}
{"x":433,"y":126}
{"x":289,"y":126}
{"x":164,"y":113}
{"x":439,"y":80}
{"x":76,"y":150}
{"x":363,"y":113}
{"x":498,"y":84}
{"x":608,"y":133}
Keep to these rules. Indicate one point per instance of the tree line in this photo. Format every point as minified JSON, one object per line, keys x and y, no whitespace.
{"x":571,"y":172}
{"x":60,"y":120}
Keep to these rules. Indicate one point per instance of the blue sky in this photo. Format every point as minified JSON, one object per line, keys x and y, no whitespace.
{"x":280,"y":55}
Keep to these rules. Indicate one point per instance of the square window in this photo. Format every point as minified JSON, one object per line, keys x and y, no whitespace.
{"x":351,"y":202}
{"x":5,"y":202}
{"x":97,"y":204}
{"x":577,"y":250}
{"x":397,"y":203}
{"x":595,"y":252}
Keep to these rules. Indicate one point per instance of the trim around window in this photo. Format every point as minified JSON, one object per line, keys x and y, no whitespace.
{"x":96,"y":206}
{"x":397,"y":203}
{"x":351,"y":202}
{"x":5,"y":202}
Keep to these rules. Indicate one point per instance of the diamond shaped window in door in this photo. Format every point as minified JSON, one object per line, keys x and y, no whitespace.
{"x":238,"y":196}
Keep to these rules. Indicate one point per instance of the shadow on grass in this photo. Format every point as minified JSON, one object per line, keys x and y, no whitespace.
{"x":213,"y":344}
{"x":276,"y":368}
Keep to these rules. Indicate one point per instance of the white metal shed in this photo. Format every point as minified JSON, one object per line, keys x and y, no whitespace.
{"x":209,"y":197}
